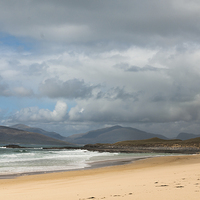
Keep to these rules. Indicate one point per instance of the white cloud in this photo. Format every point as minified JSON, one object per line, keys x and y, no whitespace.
{"x":34,"y":114}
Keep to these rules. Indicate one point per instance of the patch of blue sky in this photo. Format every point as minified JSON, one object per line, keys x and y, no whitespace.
{"x":17,"y":43}
{"x":13,"y":104}
{"x":10,"y":105}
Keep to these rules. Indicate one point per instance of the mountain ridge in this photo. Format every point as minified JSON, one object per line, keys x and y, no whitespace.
{"x":38,"y":130}
{"x":10,"y":135}
{"x":111,"y":135}
{"x":186,"y":136}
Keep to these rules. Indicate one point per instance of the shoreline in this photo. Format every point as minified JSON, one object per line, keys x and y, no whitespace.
{"x":105,"y":163}
{"x":92,"y":165}
{"x":124,"y":149}
{"x":166,"y":177}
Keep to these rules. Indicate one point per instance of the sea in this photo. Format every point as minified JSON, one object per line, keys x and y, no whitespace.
{"x":15,"y":161}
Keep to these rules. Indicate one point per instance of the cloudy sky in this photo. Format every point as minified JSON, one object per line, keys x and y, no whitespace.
{"x":73,"y":66}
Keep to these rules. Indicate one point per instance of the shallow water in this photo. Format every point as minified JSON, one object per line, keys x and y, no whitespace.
{"x":28,"y":160}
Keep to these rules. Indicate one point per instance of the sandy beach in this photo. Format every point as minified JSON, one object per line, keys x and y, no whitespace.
{"x":171,"y":177}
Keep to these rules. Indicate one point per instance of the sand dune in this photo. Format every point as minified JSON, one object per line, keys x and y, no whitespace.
{"x":172,"y":177}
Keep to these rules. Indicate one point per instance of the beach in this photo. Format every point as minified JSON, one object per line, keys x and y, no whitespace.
{"x":166,"y":177}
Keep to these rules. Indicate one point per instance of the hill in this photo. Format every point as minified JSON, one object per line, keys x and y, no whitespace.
{"x":152,"y":142}
{"x":157,"y":142}
{"x":15,"y":136}
{"x":194,"y":142}
{"x":155,"y":145}
{"x":111,"y":135}
{"x":38,"y":130}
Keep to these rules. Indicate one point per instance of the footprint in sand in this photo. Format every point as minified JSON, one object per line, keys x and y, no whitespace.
{"x":117,"y":195}
{"x":180,"y":186}
{"x":162,"y":185}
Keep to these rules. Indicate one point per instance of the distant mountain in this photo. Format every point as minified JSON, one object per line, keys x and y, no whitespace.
{"x":15,"y":136}
{"x":111,"y":135}
{"x":186,"y":136}
{"x":38,"y":130}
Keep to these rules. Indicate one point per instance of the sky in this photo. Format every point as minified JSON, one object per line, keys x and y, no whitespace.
{"x":74,"y":66}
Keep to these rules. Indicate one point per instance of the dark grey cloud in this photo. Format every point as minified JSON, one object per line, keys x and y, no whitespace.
{"x":138,"y":69}
{"x":127,"y":68}
{"x":70,"y":89}
{"x":117,"y":93}
{"x":131,"y":22}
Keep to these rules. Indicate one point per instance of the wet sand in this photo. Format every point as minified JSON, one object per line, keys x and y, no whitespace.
{"x":171,"y":177}
{"x":91,"y":165}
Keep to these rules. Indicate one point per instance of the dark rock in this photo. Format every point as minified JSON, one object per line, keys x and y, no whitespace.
{"x":13,"y":146}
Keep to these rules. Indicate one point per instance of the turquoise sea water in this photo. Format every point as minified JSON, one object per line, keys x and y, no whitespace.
{"x":15,"y":161}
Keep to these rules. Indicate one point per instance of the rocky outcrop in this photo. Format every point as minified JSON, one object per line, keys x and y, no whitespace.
{"x":13,"y":146}
{"x":121,"y":149}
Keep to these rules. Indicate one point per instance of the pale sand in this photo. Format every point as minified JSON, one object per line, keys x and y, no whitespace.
{"x":173,"y":177}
